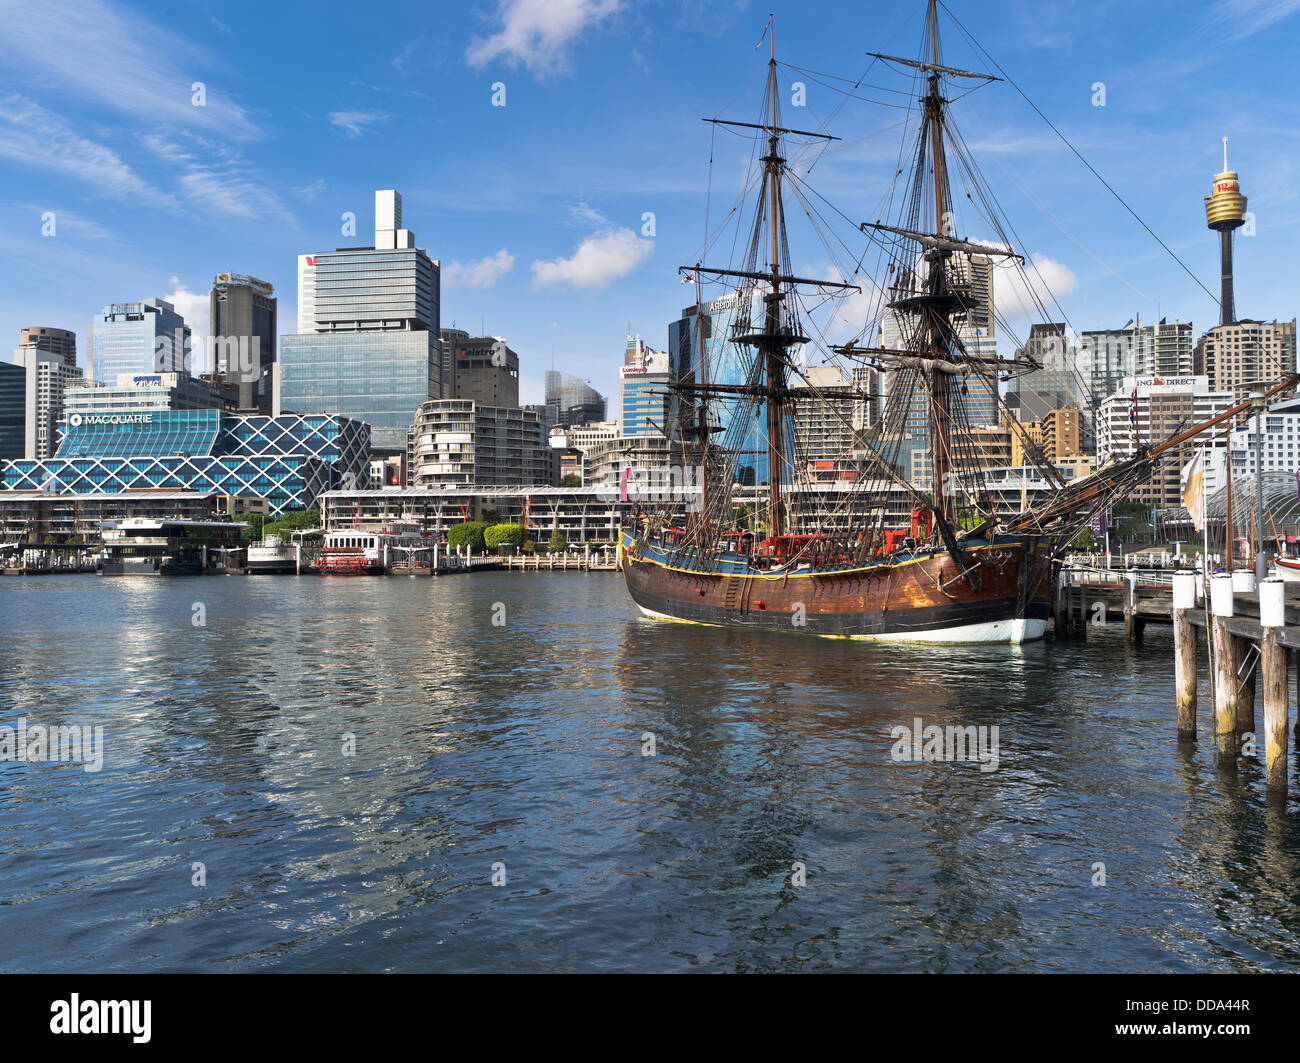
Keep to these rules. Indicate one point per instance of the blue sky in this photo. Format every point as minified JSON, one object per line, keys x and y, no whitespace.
{"x":536,"y":208}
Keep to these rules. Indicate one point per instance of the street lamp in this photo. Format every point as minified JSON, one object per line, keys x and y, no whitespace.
{"x":1257,"y":401}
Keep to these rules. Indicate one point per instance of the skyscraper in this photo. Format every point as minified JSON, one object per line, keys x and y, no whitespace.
{"x":481,"y":368}
{"x":13,"y":410}
{"x":49,"y":359}
{"x":145,"y":337}
{"x":643,"y":397}
{"x":371,"y":349}
{"x":1236,"y":355}
{"x":242,"y":331}
{"x":735,"y":425}
{"x":578,"y":401}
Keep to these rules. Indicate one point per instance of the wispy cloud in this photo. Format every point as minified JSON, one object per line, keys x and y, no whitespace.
{"x":97,"y":50}
{"x":354,"y":123}
{"x":1239,"y":19}
{"x":599,"y":259}
{"x":586,"y":215}
{"x":216,"y":179}
{"x":62,"y":150}
{"x":70,"y":222}
{"x":404,"y":56}
{"x":311,"y":191}
{"x":538,"y":33}
{"x":481,"y":274}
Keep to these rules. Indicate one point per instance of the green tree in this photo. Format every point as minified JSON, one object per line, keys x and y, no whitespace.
{"x":558,"y":542}
{"x":499,"y":535}
{"x":255,"y":522}
{"x":468,"y":534}
{"x":571,"y":479}
{"x":530,"y":547}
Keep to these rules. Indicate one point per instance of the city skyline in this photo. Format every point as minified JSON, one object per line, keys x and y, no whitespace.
{"x":536,"y":209}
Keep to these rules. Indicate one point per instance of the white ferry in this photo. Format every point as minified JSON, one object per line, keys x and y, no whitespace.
{"x":272,"y":555}
{"x":350,"y":552}
{"x":141,"y":546}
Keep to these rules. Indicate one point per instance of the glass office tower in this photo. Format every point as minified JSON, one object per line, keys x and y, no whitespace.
{"x":726,"y":363}
{"x":372,"y":351}
{"x":144,"y":337}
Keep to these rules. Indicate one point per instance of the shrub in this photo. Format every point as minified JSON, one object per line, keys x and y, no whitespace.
{"x":558,"y":542}
{"x":468,"y":534}
{"x":503,"y":535}
{"x":530,"y":547}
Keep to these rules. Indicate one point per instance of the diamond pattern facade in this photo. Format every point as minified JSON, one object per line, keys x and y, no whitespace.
{"x":287,"y":460}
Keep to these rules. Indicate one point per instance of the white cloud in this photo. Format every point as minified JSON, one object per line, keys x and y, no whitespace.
{"x":354,"y":123}
{"x":1017,"y":292}
{"x":481,"y":274}
{"x":538,"y":33}
{"x":24,"y":123}
{"x":114,"y":54}
{"x":194,"y":307}
{"x":599,"y":259}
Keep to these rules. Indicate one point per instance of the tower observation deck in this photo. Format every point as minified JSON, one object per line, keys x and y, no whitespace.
{"x":1225,"y":210}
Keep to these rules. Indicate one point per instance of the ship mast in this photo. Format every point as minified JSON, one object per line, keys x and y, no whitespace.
{"x":773,"y":348}
{"x":940,"y":381}
{"x":937,"y":301}
{"x":778,"y":332}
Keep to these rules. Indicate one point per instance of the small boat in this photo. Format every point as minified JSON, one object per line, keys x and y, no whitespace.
{"x":1287,"y":568}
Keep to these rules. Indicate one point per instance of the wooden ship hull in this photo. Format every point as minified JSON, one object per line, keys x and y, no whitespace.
{"x":923,"y":598}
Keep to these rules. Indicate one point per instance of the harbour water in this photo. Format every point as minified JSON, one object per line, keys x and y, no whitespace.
{"x":500,"y":724}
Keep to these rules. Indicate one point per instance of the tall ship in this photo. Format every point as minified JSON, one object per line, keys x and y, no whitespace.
{"x":901,"y":537}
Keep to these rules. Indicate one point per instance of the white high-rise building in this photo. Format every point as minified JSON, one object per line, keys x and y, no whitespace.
{"x":1163,"y":407}
{"x":306,"y":293}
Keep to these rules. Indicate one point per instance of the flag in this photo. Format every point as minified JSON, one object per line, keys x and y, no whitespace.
{"x":627,"y":475}
{"x":1133,"y":412}
{"x":1194,"y":489}
{"x":1297,"y":485}
{"x":1099,"y":526}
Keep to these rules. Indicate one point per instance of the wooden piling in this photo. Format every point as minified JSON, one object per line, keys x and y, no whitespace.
{"x":1225,"y":691}
{"x":1247,"y":669}
{"x":1273,"y":667}
{"x":1185,"y":674}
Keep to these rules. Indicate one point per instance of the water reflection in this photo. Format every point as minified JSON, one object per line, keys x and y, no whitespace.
{"x":349,"y":759}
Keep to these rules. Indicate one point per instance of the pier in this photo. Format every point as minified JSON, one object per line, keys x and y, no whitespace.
{"x":1251,"y":635}
{"x":604,"y":560}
